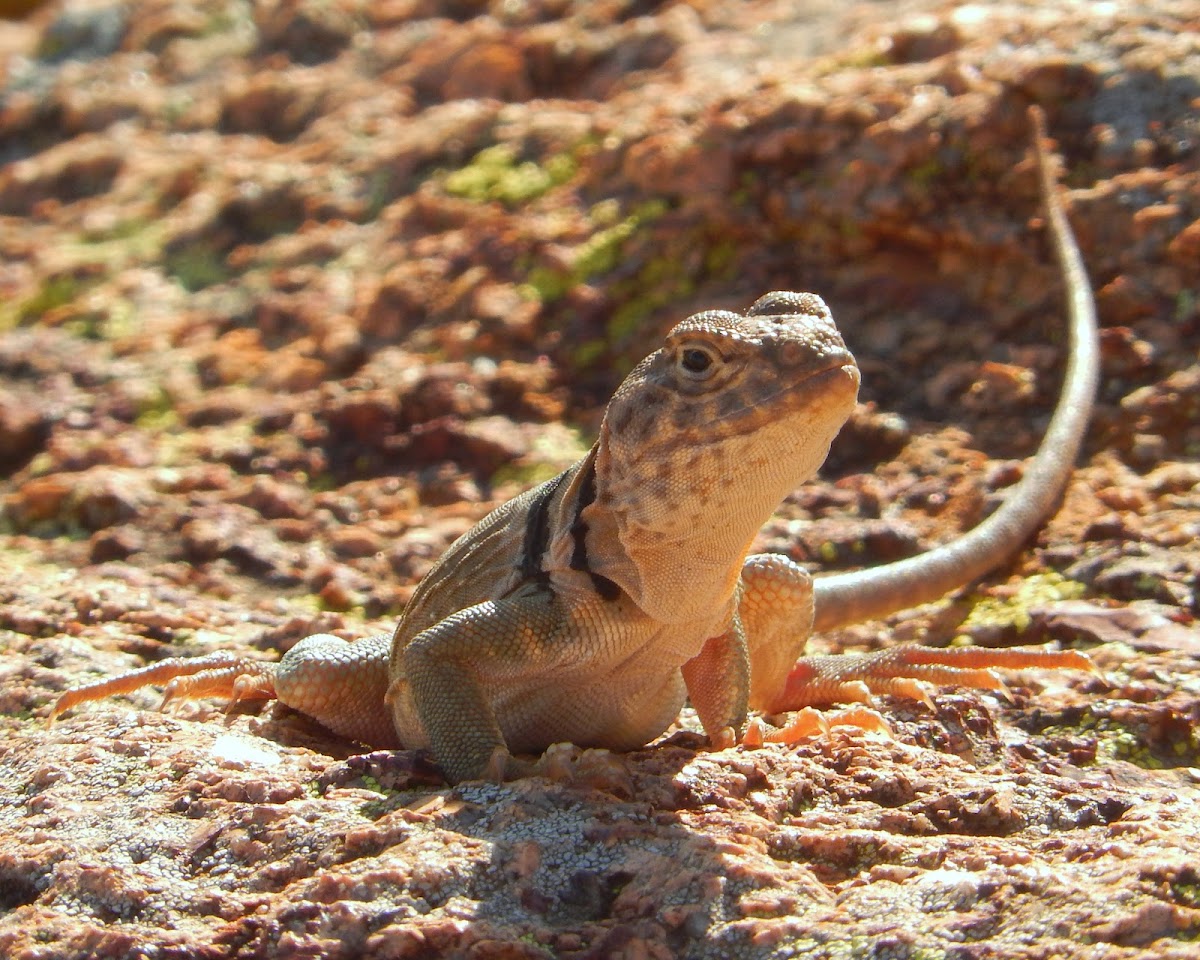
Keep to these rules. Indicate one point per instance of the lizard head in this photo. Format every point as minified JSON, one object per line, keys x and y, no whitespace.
{"x":709,"y":433}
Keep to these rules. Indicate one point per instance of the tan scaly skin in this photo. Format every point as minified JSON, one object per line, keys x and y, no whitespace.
{"x":587,"y":609}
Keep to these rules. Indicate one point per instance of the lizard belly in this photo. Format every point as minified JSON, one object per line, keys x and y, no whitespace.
{"x":605,"y":711}
{"x":619,"y":702}
{"x":600,"y":714}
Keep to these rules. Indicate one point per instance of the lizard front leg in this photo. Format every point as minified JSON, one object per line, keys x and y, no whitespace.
{"x":776,"y":609}
{"x":718,"y":683}
{"x":483,"y":671}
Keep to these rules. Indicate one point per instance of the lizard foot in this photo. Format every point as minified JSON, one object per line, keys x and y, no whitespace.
{"x":215,"y":675}
{"x":563,"y":763}
{"x":590,"y":766}
{"x":503,"y":766}
{"x":807,"y":722}
{"x":906,"y":669}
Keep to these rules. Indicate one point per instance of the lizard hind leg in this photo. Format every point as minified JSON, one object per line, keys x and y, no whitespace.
{"x":217,"y":675}
{"x":906,"y":670}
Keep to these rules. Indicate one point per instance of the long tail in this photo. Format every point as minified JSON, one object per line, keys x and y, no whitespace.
{"x":877,"y":592}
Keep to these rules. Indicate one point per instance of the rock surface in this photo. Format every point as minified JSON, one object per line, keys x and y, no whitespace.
{"x":293,"y":292}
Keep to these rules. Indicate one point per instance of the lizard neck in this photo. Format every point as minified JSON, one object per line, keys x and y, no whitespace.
{"x":673,"y":535}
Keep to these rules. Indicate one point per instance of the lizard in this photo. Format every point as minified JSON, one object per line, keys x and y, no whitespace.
{"x":589,"y":608}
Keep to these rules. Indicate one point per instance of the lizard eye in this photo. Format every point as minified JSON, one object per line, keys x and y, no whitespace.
{"x":696,"y":362}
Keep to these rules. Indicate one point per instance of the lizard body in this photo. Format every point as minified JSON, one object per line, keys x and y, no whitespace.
{"x":588,"y":608}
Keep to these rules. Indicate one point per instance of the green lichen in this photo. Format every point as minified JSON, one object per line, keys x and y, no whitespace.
{"x":1014,"y":610}
{"x":495,"y":174}
{"x":156,"y":411}
{"x":54,"y":292}
{"x":1186,"y":305}
{"x":86,"y":325}
{"x":120,"y":320}
{"x":602,"y":252}
{"x":196,"y":266}
{"x":546,"y":284}
{"x":848,"y":228}
{"x":370,"y":783}
{"x":657,"y":284}
{"x":113,"y":246}
{"x":598,"y":255}
{"x":1121,"y":741}
{"x":747,"y":189}
{"x":605,"y":213}
{"x":176,"y":107}
{"x":1117,"y":742}
{"x":553,"y":451}
{"x":588,"y":352}
{"x":531,"y":940}
{"x":855,"y":58}
{"x":323,"y":482}
{"x":94,"y":254}
{"x":720,"y":258}
{"x":111,"y":319}
{"x":523,"y":475}
{"x":664,"y":278}
{"x":927,"y":173}
{"x":827,"y":552}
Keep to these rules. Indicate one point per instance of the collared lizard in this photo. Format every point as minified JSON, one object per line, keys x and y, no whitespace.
{"x":588,"y":608}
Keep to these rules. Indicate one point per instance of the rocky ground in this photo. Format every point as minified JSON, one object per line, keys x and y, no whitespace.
{"x":292,"y":293}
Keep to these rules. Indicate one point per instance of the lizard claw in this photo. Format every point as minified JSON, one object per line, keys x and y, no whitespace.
{"x":756,"y":733}
{"x":805,"y":723}
{"x":502,"y":766}
{"x":723,"y":739}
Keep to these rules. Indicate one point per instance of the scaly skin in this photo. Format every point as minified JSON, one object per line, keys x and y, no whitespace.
{"x":588,"y":609}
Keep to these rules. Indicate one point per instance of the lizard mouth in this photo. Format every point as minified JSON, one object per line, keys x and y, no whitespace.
{"x":834,"y":387}
{"x":836,"y":371}
{"x":828,"y":387}
{"x":834,"y":379}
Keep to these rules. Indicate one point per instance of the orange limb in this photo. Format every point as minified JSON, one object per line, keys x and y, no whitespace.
{"x":905,"y":669}
{"x":216,"y":675}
